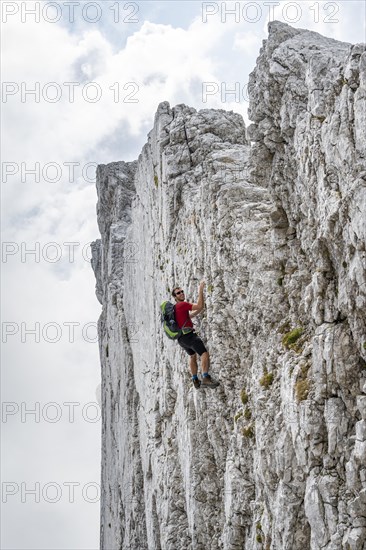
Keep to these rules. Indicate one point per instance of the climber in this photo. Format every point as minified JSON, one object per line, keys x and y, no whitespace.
{"x":189,"y":341}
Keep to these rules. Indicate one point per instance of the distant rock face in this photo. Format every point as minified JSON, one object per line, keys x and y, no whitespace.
{"x":274,"y":219}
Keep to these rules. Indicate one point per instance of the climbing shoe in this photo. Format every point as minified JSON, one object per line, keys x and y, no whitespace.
{"x":197,"y":383}
{"x":208,"y":382}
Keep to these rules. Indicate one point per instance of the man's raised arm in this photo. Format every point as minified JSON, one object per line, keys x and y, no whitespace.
{"x":198,"y":307}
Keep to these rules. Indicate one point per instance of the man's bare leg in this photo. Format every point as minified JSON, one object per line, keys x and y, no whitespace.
{"x":193,"y":364}
{"x":205,"y":362}
{"x":206,"y":379}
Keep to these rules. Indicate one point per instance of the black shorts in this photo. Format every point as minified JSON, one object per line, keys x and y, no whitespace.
{"x":192,"y":343}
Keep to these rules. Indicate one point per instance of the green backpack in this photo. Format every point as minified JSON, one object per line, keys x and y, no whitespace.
{"x":170,"y":325}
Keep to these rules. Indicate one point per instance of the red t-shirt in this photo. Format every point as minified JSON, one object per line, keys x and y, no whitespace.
{"x":181,"y":314}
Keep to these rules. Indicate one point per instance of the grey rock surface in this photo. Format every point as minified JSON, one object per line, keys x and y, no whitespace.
{"x":273,"y":218}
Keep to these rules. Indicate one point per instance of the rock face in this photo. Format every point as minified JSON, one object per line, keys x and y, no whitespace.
{"x":273,"y":218}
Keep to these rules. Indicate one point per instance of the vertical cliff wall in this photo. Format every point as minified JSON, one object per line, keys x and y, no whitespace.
{"x":273,"y":218}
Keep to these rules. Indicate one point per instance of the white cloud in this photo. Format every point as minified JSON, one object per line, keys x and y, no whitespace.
{"x":64,"y":127}
{"x":247,"y":42}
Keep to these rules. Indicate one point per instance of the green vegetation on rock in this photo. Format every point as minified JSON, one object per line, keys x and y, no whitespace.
{"x":248,"y":431}
{"x":291,"y":337}
{"x":266,"y":379}
{"x":244,"y":396}
{"x":302,"y":389}
{"x":247,"y":413}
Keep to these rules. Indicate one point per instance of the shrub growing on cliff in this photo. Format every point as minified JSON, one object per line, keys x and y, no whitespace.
{"x":266,"y":380}
{"x":244,"y":396}
{"x":290,"y":337}
{"x":248,"y":431}
{"x":302,"y":385}
{"x":247,"y":413}
{"x":302,"y":389}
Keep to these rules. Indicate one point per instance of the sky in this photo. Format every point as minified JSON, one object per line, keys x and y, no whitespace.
{"x":81,"y":82}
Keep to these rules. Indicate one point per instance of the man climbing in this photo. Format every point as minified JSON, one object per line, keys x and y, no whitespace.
{"x":189,"y":341}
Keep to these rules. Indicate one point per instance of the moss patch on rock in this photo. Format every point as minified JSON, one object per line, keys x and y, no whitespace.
{"x":291,"y":337}
{"x":247,"y":413}
{"x":248,"y":431}
{"x":302,"y":390}
{"x":266,"y":380}
{"x":244,"y":396}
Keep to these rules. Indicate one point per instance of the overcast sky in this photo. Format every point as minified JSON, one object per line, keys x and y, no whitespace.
{"x":98,"y":71}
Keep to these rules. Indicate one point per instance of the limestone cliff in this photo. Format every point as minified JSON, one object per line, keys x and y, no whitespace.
{"x":273,"y":218}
